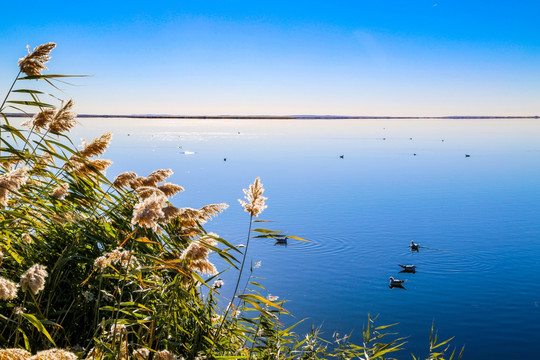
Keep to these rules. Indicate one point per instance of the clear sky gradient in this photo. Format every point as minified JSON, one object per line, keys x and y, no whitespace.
{"x":404,"y":57}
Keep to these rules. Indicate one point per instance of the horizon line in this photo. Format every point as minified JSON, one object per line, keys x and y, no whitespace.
{"x":289,"y":117}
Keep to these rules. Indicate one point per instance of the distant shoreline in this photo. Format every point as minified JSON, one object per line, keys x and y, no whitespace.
{"x":284,"y":117}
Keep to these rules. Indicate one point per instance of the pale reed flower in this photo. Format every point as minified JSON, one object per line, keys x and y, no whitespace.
{"x":255,"y":201}
{"x":95,"y":147}
{"x":170,"y":189}
{"x":124,"y":179}
{"x":118,"y":255}
{"x":206,"y":212}
{"x":14,"y":354}
{"x":26,"y":238}
{"x":54,"y":354}
{"x":118,"y":330}
{"x":8,"y":289}
{"x":196,"y":255}
{"x":19,"y":310}
{"x":63,"y":119}
{"x":153,"y":179}
{"x":149,"y":211}
{"x":93,"y":166}
{"x":160,"y":175}
{"x":60,"y":191}
{"x":41,"y":120}
{"x":218,"y":284}
{"x":204,"y":267}
{"x":169,"y":212}
{"x":33,"y":63}
{"x":11,"y":182}
{"x":34,"y":279}
{"x":165,"y":355}
{"x":145,"y":192}
{"x":198,"y":249}
{"x":141,"y":354}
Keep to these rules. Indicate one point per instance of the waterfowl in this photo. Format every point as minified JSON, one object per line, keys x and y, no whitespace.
{"x":282,"y":240}
{"x":467,"y":155}
{"x":408,"y":268}
{"x":341,"y":156}
{"x":396,"y":282}
{"x":414,"y":246}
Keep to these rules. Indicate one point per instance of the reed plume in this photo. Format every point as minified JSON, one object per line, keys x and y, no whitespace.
{"x":118,"y":255}
{"x":34,"y":279}
{"x":170,"y":189}
{"x":148,"y":212}
{"x":14,"y":354}
{"x":63,"y":119}
{"x":8,"y":289}
{"x":33,"y":63}
{"x":95,"y":147}
{"x":92,"y":166}
{"x":41,"y":120}
{"x":60,"y":191}
{"x":165,"y":355}
{"x":196,"y":254}
{"x":255,"y":201}
{"x":141,"y":354}
{"x":124,"y":179}
{"x":11,"y":182}
{"x":54,"y":354}
{"x":145,"y":192}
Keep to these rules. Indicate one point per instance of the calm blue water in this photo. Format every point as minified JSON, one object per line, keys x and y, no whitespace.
{"x":477,"y":217}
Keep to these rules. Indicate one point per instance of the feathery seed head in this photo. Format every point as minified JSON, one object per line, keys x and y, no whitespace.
{"x":14,"y":354}
{"x":147,"y":212}
{"x":95,"y":147}
{"x":26,"y":238}
{"x":169,"y":212}
{"x":8,"y":289}
{"x":54,"y":354}
{"x":11,"y":182}
{"x":141,"y":354}
{"x":160,"y":175}
{"x":60,"y":191}
{"x":41,"y":120}
{"x":91,"y":166}
{"x":63,"y":119}
{"x":146,"y":191}
{"x":124,"y":179}
{"x":33,"y":63}
{"x":170,"y":189}
{"x":34,"y":279}
{"x":165,"y":355}
{"x":255,"y":201}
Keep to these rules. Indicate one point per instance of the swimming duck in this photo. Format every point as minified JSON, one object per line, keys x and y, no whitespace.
{"x":396,"y":282}
{"x":414,"y":246}
{"x":408,"y":268}
{"x":282,"y":240}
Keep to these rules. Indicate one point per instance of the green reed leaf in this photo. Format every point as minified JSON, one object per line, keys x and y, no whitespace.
{"x":266,"y":231}
{"x":30,"y":103}
{"x":50,"y":76}
{"x":39,"y":326}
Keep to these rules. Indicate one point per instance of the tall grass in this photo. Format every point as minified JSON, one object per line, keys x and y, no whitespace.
{"x":112,"y":270}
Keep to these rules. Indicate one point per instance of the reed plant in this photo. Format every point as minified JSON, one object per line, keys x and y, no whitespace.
{"x":93,"y":268}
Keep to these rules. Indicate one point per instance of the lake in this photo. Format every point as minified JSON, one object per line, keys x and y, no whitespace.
{"x":476,"y":218}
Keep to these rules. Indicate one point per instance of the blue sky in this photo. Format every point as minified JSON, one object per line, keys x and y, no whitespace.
{"x":412,"y":58}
